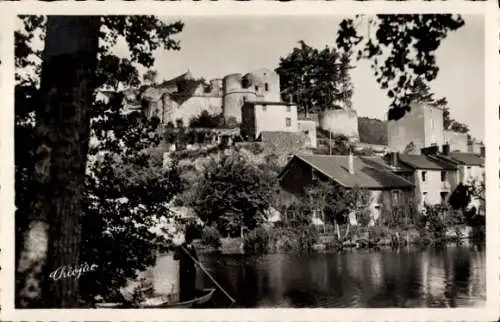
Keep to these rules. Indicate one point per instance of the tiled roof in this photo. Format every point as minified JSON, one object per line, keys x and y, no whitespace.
{"x":186,"y":75}
{"x":384,"y":162}
{"x":465,"y":158}
{"x":270,"y":103}
{"x":418,"y":161}
{"x":367,"y":173}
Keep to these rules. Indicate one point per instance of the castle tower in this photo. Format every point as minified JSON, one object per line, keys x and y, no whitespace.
{"x":234,"y":96}
{"x":421,"y":127}
{"x":265,"y":83}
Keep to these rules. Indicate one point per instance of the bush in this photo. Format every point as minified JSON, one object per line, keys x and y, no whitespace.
{"x":231,"y":123}
{"x":257,"y":241}
{"x":307,"y":237}
{"x":378,"y":233}
{"x":478,"y":234}
{"x":205,"y":120}
{"x":210,"y":236}
{"x":254,"y":147}
{"x":434,"y":225}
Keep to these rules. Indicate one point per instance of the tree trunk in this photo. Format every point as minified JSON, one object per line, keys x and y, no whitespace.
{"x":337,"y":228}
{"x":347,"y":230}
{"x":62,"y":124}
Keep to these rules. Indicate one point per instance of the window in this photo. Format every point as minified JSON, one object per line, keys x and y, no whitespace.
{"x":424,"y":197}
{"x":256,"y":88}
{"x":264,"y":108}
{"x":288,"y":122}
{"x":424,"y":176}
{"x":395,"y":197}
{"x":288,"y":108}
{"x":266,"y":86}
{"x":314,"y":176}
{"x":443,"y":176}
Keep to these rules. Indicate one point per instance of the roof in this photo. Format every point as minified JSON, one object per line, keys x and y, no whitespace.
{"x":464,"y":158}
{"x":384,"y":162}
{"x":367,"y":173}
{"x":417,"y":161}
{"x":186,"y":75}
{"x":270,"y":103}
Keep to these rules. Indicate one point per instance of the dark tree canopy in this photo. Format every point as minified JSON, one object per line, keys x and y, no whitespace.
{"x":420,"y":92}
{"x":234,"y":193}
{"x":402,"y":50}
{"x":316,"y":79}
{"x":144,"y":35}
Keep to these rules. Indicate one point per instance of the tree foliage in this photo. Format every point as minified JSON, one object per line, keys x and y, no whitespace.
{"x":420,"y":92}
{"x":150,"y":76}
{"x":402,"y":49}
{"x":234,"y":193}
{"x":316,"y":79}
{"x":336,"y":202}
{"x":128,"y":192}
{"x":144,"y":35}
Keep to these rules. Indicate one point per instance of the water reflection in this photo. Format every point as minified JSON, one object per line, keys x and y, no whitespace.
{"x":450,"y":277}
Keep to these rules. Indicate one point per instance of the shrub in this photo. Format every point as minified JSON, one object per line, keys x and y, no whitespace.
{"x":299,"y":239}
{"x":377,"y":233}
{"x":255,"y":148}
{"x":211,"y":236}
{"x":307,"y":237}
{"x":435,"y":226}
{"x":478,"y":234}
{"x":257,"y":241}
{"x":231,"y":123}
{"x":205,"y":120}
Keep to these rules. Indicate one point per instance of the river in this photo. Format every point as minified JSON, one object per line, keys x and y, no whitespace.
{"x":452,"y":276}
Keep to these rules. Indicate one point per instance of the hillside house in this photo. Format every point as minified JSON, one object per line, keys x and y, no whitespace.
{"x":434,"y":178}
{"x":470,"y":165}
{"x":388,"y":190}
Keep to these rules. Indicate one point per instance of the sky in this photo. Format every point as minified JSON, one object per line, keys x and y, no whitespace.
{"x":212,"y":47}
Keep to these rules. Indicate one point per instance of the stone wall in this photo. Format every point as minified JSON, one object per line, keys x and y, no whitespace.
{"x":309,"y":129}
{"x":283,"y":145}
{"x":190,"y":108}
{"x":409,"y":130}
{"x":458,"y":141}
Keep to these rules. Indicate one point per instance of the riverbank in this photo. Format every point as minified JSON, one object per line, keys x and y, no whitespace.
{"x":309,"y":239}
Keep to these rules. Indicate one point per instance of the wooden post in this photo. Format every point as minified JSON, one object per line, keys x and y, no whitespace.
{"x":330,"y":141}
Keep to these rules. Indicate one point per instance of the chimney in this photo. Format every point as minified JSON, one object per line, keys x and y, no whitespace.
{"x":446,"y":149}
{"x":351,"y":162}
{"x":483,"y":151}
{"x":394,"y":159}
{"x":430,"y":150}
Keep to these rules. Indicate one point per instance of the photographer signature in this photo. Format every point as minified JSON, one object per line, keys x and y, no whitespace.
{"x":72,"y":272}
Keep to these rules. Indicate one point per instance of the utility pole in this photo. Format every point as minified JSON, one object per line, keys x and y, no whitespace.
{"x":330,"y":142}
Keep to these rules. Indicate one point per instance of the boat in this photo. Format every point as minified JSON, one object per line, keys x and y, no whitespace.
{"x":204,"y":296}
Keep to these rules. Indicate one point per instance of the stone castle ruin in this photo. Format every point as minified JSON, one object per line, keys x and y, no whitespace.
{"x":253,"y":103}
{"x":183,"y":98}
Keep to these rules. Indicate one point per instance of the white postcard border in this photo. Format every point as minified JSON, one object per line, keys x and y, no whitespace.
{"x":492,"y":126}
